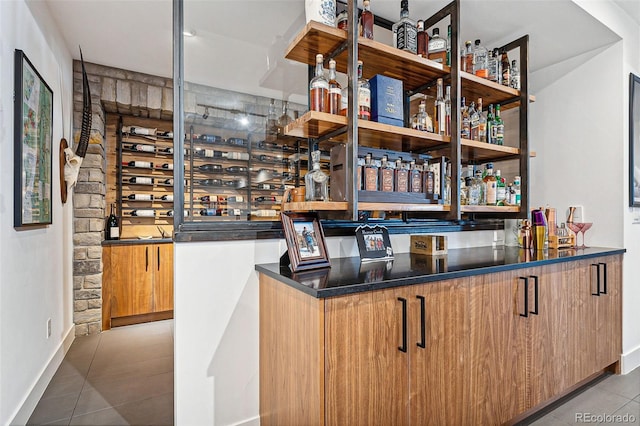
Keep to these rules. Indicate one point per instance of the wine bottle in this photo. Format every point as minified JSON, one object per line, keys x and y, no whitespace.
{"x":167,"y":197}
{"x":234,"y":199}
{"x":210,"y":182}
{"x":208,"y":198}
{"x":210,"y":138}
{"x":112,"y":230}
{"x":138,"y":164}
{"x":209,"y":212}
{"x":231,"y":183}
{"x":210,"y":168}
{"x":143,"y":148}
{"x":166,"y":166}
{"x":168,"y":150}
{"x":233,"y":155}
{"x":142,"y":180}
{"x":140,"y":197}
{"x":265,"y":199}
{"x":143,"y":213}
{"x":236,"y":169}
{"x":237,"y":141}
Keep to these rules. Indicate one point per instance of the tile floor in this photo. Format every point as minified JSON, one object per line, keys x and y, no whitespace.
{"x":125,"y":377}
{"x":120,"y":377}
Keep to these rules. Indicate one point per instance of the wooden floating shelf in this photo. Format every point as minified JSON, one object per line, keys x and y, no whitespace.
{"x":490,"y":209}
{"x":483,"y":152}
{"x":404,"y":207}
{"x":315,"y":205}
{"x":474,"y":87}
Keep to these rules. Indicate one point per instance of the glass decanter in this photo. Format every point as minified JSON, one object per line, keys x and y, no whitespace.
{"x":316,"y":181}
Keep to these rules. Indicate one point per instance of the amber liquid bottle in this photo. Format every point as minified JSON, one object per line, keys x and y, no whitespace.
{"x":366,"y":21}
{"x":335,"y":91}
{"x":319,"y":88}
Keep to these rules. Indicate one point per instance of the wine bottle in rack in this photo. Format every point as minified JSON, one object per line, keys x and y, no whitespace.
{"x":210,"y":138}
{"x":210,"y":168}
{"x":170,"y":213}
{"x":142,"y":180}
{"x":236,"y":169}
{"x":168,"y":150}
{"x":236,"y":141}
{"x":265,"y":199}
{"x":143,"y":148}
{"x":166,"y":166}
{"x":208,"y":212}
{"x":233,"y":199}
{"x":143,"y":213}
{"x":167,"y":197}
{"x":112,"y":230}
{"x":138,"y":164}
{"x":210,"y":182}
{"x":140,"y":197}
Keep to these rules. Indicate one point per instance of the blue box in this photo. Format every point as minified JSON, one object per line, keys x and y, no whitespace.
{"x":387,"y":100}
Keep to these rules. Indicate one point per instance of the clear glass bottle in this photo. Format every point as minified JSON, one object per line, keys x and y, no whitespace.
{"x":465,"y":121}
{"x":364,"y":96}
{"x":499,"y":126}
{"x":490,"y":186}
{"x":271,"y":125}
{"x":437,"y":47}
{"x":475,"y":190}
{"x":482,"y":123}
{"x":316,"y":181}
{"x":423,"y":39}
{"x":405,"y":33}
{"x":501,"y":189}
{"x":467,"y":63}
{"x":447,"y":110}
{"x":421,"y":120}
{"x":515,"y":75}
{"x":319,"y":88}
{"x":480,"y":56}
{"x":493,"y":66}
{"x":285,"y":118}
{"x":386,"y":175}
{"x":370,"y":174}
{"x":491,"y":136}
{"x":439,"y":112}
{"x":366,"y":21}
{"x":335,"y":90}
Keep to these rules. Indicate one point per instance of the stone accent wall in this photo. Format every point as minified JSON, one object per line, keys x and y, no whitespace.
{"x":112,"y":91}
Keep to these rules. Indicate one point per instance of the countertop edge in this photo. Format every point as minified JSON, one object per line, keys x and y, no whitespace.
{"x":135,"y":241}
{"x":421,"y":279}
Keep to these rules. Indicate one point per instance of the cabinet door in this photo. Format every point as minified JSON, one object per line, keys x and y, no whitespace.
{"x":163,"y":277}
{"x":439,"y":347}
{"x":498,"y":348}
{"x":132,"y":280}
{"x":366,"y":372}
{"x":609,"y":310}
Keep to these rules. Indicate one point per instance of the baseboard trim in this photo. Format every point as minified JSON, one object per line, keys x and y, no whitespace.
{"x":630,"y":360}
{"x":37,"y":390}
{"x":137,"y":319}
{"x":253,"y":421}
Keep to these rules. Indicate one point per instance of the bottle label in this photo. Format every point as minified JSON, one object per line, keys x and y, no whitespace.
{"x":114,"y":232}
{"x":491,"y":192}
{"x":402,"y":184}
{"x":145,"y":148}
{"x":416,"y":181}
{"x":143,"y":197}
{"x":407,"y":38}
{"x":364,"y":97}
{"x":501,"y":193}
{"x":387,"y":180}
{"x":143,"y":180}
{"x":370,"y":179}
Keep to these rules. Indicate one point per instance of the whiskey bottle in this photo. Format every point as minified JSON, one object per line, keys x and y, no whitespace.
{"x":112,"y":229}
{"x":364,"y":96}
{"x":439,"y":112}
{"x":386,"y":175}
{"x":401,"y":177}
{"x":405,"y":33}
{"x":428,"y":181}
{"x":505,"y":69}
{"x":335,"y":90}
{"x":316,"y":181}
{"x":467,"y":61}
{"x":210,"y":168}
{"x":465,"y":129}
{"x":318,"y":88}
{"x":143,"y":213}
{"x":141,"y":180}
{"x":447,"y":111}
{"x":482,"y":123}
{"x":138,"y":164}
{"x":271,"y":125}
{"x":490,"y":186}
{"x":415,"y":177}
{"x":491,"y":131}
{"x":499,"y":126}
{"x":342,"y":20}
{"x":480,"y":60}
{"x":422,"y":39}
{"x":366,"y":21}
{"x":143,"y":148}
{"x":140,"y":197}
{"x":437,"y":47}
{"x":515,"y":75}
{"x":370,"y":174}
{"x":493,"y":66}
{"x":474,"y":122}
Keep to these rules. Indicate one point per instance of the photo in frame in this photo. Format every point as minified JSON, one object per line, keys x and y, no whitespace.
{"x":306,"y":247}
{"x":33,"y":137}
{"x":373,"y":243}
{"x":634,"y":140}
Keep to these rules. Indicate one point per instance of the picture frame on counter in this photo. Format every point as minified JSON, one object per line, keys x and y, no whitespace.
{"x":373,"y":243}
{"x":33,"y":141}
{"x":634,"y":140}
{"x":306,"y":246}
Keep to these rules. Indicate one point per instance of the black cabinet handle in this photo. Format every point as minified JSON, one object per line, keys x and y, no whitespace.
{"x":423,"y":323}
{"x":146,"y":258}
{"x":597,"y":293}
{"x":536,"y":294}
{"x":158,"y":258}
{"x":526,"y":297}
{"x":604,"y":279}
{"x":403,"y":348}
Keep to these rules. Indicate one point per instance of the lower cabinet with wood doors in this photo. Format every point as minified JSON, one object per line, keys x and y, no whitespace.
{"x":137,"y":284}
{"x":479,"y":349}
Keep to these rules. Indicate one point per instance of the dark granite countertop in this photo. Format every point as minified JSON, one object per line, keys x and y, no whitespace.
{"x":348,"y":275}
{"x":133,"y":241}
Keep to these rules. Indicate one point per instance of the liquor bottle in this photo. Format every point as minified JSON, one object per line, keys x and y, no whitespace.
{"x":516,"y":188}
{"x":465,"y":125}
{"x":447,"y":184}
{"x":421,"y":120}
{"x":505,"y":69}
{"x":364,"y":95}
{"x":439,"y":111}
{"x":501,"y":189}
{"x":437,"y":47}
{"x":480,"y":60}
{"x":464,"y":190}
{"x":140,"y":197}
{"x":447,"y":110}
{"x":366,"y":21}
{"x":112,"y":229}
{"x":405,"y":33}
{"x":386,"y":175}
{"x":482,"y":123}
{"x":499,"y":126}
{"x":360,"y":174}
{"x":344,"y":102}
{"x":285,"y":118}
{"x":210,"y":138}
{"x":415,"y":177}
{"x":143,"y":213}
{"x":210,"y":182}
{"x":271,"y":125}
{"x":423,"y":39}
{"x":449,"y":45}
{"x":474,"y":122}
{"x":493,"y":66}
{"x":210,"y":168}
{"x":490,"y":186}
{"x":370,"y":174}
{"x":491,"y":131}
{"x":141,"y":180}
{"x":138,"y":164}
{"x":428,"y":181}
{"x":236,"y":169}
{"x":319,"y":88}
{"x":166,"y":166}
{"x":467,"y":61}
{"x":335,"y":90}
{"x":475,"y":189}
{"x":515,"y":75}
{"x":167,"y":197}
{"x":143,"y":148}
{"x":342,"y":20}
{"x":401,"y":177}
{"x":316,"y":181}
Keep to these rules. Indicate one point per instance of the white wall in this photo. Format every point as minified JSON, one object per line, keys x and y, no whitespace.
{"x":216,"y":322}
{"x":35,"y":270}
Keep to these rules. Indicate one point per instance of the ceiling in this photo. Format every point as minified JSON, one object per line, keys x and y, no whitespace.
{"x":239,"y":44}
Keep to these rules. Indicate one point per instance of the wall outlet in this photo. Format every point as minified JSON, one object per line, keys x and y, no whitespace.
{"x":48,"y":328}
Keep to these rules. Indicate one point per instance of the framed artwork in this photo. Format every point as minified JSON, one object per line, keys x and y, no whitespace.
{"x":373,"y":242}
{"x":634,"y":140}
{"x":306,"y":246}
{"x":33,"y":136}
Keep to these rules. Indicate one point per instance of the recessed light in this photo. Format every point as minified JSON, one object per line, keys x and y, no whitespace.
{"x":189,"y":33}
